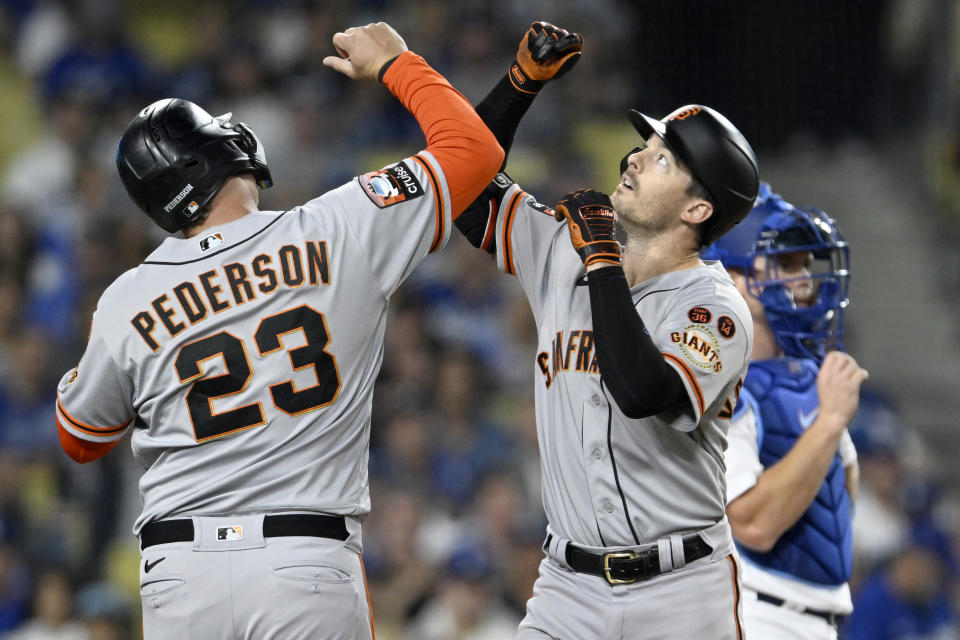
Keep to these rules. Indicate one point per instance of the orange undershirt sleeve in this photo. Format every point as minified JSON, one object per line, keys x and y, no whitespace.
{"x":82,"y":450}
{"x":456,"y":136}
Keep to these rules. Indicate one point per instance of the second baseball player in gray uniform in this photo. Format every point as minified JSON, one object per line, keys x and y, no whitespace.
{"x":641,"y":356}
{"x":243,"y":356}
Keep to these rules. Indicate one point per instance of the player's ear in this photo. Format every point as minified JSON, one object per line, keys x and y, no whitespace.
{"x":697,"y":211}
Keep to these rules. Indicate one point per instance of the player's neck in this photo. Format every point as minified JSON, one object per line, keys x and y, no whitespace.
{"x":236,"y":198}
{"x":645,"y":258}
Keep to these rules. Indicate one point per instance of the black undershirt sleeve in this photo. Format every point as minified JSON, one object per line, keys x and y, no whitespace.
{"x":631,"y":366}
{"x":502,"y":110}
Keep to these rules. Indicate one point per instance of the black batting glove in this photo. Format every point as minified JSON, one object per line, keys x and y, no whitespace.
{"x":592,"y":225}
{"x":546,"y":52}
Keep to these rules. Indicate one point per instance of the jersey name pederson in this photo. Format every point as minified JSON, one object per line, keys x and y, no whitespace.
{"x":232,"y":284}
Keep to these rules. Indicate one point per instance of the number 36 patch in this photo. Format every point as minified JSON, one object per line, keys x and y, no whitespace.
{"x":391,"y":186}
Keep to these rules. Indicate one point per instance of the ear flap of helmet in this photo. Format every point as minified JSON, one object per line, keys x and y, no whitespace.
{"x":249,"y":143}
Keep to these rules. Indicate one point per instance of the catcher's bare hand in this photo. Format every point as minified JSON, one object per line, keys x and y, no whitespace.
{"x":591,"y":222}
{"x":546,"y":52}
{"x":838,"y":385}
{"x":364,"y":50}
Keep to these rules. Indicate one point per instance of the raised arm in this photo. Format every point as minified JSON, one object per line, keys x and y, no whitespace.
{"x":456,"y":136}
{"x":545,"y":52}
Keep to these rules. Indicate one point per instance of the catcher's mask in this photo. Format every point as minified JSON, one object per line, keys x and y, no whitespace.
{"x":173,"y":157}
{"x":773,"y":230}
{"x":812,"y":330}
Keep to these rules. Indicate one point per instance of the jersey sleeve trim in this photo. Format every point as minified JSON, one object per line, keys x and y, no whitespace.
{"x":439,"y":231}
{"x":508,"y":230}
{"x":81,"y":450}
{"x":491,"y":231}
{"x":90,"y":429}
{"x":690,"y":378}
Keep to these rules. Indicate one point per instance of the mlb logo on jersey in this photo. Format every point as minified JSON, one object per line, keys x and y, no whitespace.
{"x":391,"y":186}
{"x":211,"y":241}
{"x":233,"y":532}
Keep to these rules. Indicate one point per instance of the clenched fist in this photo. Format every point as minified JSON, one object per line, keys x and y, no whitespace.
{"x":364,"y":50}
{"x":592,"y":225}
{"x":838,"y":385}
{"x":545,"y":53}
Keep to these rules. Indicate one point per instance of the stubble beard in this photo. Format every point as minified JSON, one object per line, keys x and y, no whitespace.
{"x":635,"y":225}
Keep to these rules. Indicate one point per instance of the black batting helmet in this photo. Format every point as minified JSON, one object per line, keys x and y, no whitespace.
{"x":173,"y":157}
{"x":718,"y":156}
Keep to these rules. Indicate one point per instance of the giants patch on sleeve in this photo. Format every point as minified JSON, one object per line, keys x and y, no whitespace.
{"x":699,"y":346}
{"x":391,"y":186}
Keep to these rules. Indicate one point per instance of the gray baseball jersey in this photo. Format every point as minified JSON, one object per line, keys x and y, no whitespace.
{"x":244,"y":359}
{"x":609,"y":480}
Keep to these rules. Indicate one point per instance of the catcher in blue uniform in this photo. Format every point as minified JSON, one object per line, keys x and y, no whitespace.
{"x":791,"y":466}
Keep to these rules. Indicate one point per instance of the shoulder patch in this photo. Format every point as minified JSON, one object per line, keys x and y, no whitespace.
{"x":542,"y":208}
{"x":391,"y":186}
{"x":726,"y":326}
{"x":699,"y":315}
{"x":699,"y":346}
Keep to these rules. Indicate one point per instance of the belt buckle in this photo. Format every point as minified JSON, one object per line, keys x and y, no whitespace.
{"x":619,"y":555}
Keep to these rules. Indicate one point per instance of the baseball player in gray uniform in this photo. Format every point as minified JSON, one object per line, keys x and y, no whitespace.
{"x":243,"y":355}
{"x":641,"y":355}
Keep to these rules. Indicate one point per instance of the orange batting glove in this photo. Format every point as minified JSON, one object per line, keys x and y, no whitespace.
{"x":592,"y":225}
{"x":545,"y":52}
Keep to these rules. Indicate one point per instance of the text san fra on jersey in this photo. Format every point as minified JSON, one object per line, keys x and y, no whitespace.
{"x":232,"y":284}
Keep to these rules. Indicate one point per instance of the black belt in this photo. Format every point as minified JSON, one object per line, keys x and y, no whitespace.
{"x":627,"y":567}
{"x":274,"y":526}
{"x":833,"y":618}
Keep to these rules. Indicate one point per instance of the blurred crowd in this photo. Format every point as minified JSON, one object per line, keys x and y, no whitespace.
{"x":453,"y":543}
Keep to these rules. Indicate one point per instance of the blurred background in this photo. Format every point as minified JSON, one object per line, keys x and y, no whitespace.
{"x":851,"y":106}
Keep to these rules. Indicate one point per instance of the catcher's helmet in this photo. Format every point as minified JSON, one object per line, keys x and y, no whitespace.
{"x":173,"y":157}
{"x":718,"y":156}
{"x":736,"y":247}
{"x":775,"y":227}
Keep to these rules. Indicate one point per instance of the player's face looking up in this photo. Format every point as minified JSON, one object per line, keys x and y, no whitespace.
{"x":653,"y":190}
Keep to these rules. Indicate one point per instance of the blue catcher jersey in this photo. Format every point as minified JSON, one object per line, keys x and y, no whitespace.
{"x":819,"y":547}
